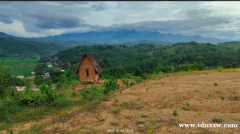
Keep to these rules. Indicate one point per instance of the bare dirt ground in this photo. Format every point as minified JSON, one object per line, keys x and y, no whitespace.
{"x":139,"y":104}
{"x":138,"y":107}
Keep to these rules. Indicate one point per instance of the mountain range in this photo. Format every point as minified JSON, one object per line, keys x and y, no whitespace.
{"x":128,"y":36}
{"x":116,"y":37}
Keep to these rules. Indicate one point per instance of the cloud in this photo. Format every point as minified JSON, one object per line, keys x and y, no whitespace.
{"x":209,"y":19}
{"x":98,"y":7}
{"x":5,"y":19}
{"x":55,"y":22}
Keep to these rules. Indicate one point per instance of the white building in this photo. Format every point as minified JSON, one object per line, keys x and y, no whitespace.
{"x":46,"y":75}
{"x":20,"y":77}
{"x":62,"y":70}
{"x":49,"y":66}
{"x":33,"y":73}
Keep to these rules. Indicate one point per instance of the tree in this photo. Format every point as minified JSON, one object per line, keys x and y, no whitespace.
{"x":6,"y":79}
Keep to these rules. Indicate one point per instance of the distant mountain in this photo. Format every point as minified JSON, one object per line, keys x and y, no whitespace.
{"x":16,"y":48}
{"x":114,"y":37}
{"x":128,"y":36}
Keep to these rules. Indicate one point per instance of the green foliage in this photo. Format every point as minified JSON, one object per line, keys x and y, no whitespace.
{"x":153,"y":121}
{"x":217,"y":120}
{"x":199,"y":113}
{"x":175,"y":112}
{"x":117,"y":110}
{"x":150,"y":131}
{"x":59,"y":85}
{"x":17,"y":48}
{"x":234,"y":65}
{"x":110,"y":85}
{"x":38,"y":80}
{"x":126,"y":81}
{"x":215,"y":84}
{"x":60,"y":101}
{"x":116,"y":100}
{"x":74,"y":94}
{"x":84,"y":94}
{"x":234,"y":97}
{"x":50,"y":94}
{"x":220,"y":69}
{"x":183,"y":108}
{"x":187,"y":103}
{"x":5,"y":78}
{"x":222,"y":97}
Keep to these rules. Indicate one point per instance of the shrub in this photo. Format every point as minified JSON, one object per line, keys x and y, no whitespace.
{"x":110,"y":85}
{"x":59,"y":85}
{"x":60,"y":101}
{"x":38,"y":80}
{"x":234,"y":97}
{"x":187,"y":103}
{"x":74,"y":94}
{"x":183,"y":107}
{"x":51,"y":94}
{"x":84,"y":94}
{"x":116,"y":100}
{"x":215,"y":84}
{"x":199,"y":113}
{"x":32,"y":98}
{"x":126,"y":81}
{"x":175,"y":112}
{"x":222,"y":97}
{"x":217,"y":120}
{"x":150,"y":131}
{"x":117,"y":110}
{"x":220,"y":69}
{"x":153,"y":121}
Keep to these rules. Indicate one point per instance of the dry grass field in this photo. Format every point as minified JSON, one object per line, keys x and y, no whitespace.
{"x":148,"y":107}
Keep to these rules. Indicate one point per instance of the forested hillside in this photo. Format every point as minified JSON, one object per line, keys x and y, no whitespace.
{"x":145,"y":58}
{"x":16,"y":48}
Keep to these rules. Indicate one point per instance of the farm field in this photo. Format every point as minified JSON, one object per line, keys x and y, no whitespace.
{"x":149,"y":107}
{"x":24,"y":69}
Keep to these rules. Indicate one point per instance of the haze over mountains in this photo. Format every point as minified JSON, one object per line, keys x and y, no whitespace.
{"x":116,"y":37}
{"x":128,"y":36}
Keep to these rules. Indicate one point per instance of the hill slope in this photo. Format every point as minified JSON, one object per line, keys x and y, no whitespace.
{"x":10,"y":47}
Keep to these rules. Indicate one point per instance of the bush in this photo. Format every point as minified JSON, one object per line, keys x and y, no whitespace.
{"x":234,"y":97}
{"x":175,"y":112}
{"x":126,"y":81}
{"x":217,"y":120}
{"x":60,"y":101}
{"x":32,"y":98}
{"x":38,"y":80}
{"x":222,"y":97}
{"x":110,"y":85}
{"x":51,"y":94}
{"x":220,"y":69}
{"x":215,"y":84}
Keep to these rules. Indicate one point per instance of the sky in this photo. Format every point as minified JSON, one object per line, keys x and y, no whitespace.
{"x":217,"y":19}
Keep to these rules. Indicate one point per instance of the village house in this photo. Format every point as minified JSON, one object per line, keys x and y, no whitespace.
{"x":58,"y":69}
{"x":88,"y":69}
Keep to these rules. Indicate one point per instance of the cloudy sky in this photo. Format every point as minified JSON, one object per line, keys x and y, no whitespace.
{"x":38,"y":19}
